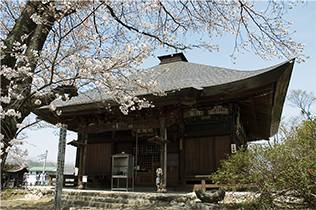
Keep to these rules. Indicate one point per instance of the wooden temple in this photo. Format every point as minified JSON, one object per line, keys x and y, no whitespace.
{"x":206,"y":113}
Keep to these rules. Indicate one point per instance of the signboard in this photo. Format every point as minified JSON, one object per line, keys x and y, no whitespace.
{"x":233,"y":148}
{"x":85,"y":179}
{"x":218,"y":110}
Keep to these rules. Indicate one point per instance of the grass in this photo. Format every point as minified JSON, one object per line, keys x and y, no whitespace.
{"x":7,"y":194}
{"x":14,"y":199}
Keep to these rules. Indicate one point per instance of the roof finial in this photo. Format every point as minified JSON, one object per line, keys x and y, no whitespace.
{"x":172,"y":58}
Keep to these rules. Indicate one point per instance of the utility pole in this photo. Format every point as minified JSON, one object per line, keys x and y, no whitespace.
{"x":45,"y":160}
{"x":60,"y":167}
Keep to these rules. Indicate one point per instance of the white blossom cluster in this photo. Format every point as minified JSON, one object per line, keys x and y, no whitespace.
{"x":16,"y":154}
{"x":37,"y":19}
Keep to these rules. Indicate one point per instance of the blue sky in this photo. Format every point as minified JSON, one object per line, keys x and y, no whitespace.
{"x":303,"y":77}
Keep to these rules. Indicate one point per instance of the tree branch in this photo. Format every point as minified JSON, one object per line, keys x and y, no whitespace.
{"x":131,"y":28}
{"x":27,"y":126}
{"x":172,"y":17}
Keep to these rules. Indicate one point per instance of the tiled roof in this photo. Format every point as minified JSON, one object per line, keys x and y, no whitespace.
{"x":175,"y":76}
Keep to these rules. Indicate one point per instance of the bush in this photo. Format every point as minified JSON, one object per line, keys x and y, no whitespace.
{"x":235,"y":171}
{"x":276,"y":169}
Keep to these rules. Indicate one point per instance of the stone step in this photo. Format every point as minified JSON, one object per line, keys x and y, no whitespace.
{"x":95,"y":198}
{"x":125,"y":200}
{"x":109,"y":195}
{"x":97,"y":204}
{"x":106,"y":199}
{"x":129,"y":195}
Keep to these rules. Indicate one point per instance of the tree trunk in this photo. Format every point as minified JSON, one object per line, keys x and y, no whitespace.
{"x":8,"y":129}
{"x":23,"y":25}
{"x":37,"y":35}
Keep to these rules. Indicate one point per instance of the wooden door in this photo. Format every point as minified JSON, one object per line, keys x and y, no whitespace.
{"x":198,"y":156}
{"x":98,"y":160}
{"x":203,"y":155}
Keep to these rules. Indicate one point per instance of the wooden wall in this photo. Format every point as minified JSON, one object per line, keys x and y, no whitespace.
{"x":98,"y":164}
{"x":203,"y":154}
{"x":205,"y":143}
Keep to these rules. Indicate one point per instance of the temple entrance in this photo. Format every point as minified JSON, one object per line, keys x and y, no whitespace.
{"x":98,"y":165}
{"x":148,"y":160}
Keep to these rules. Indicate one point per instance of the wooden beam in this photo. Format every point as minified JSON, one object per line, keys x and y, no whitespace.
{"x":125,"y":125}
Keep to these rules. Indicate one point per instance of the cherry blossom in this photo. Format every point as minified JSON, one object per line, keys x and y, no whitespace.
{"x":49,"y":45}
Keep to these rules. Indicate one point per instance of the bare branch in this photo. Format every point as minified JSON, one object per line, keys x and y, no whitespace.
{"x":27,"y":126}
{"x":131,"y":28}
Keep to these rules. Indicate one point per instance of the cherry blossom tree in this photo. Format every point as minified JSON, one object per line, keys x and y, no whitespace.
{"x":52,"y":49}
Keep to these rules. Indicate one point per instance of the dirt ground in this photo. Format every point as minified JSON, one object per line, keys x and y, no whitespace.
{"x":16,"y":199}
{"x":20,"y":203}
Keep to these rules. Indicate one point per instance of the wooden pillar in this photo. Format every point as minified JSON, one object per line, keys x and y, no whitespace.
{"x":162,"y":126}
{"x":82,"y":158}
{"x":60,"y":167}
{"x":239,"y":132}
{"x":165,"y":157}
{"x":136,"y":154}
{"x":163,"y":150}
{"x":234,"y":136}
{"x":181,"y":149}
{"x":80,"y":152}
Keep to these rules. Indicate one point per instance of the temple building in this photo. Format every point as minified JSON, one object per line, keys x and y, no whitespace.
{"x":206,"y":114}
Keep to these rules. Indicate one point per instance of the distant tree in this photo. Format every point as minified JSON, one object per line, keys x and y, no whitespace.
{"x":50,"y":49}
{"x":303,"y":100}
{"x":287,"y":166}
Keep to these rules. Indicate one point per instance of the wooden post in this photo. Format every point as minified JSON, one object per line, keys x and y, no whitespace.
{"x":163,"y":151}
{"x":60,"y":167}
{"x":181,"y":150}
{"x":82,"y":165}
{"x":203,"y":185}
{"x":162,"y":127}
{"x":136,"y":154}
{"x":165,"y":158}
{"x":80,"y":149}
